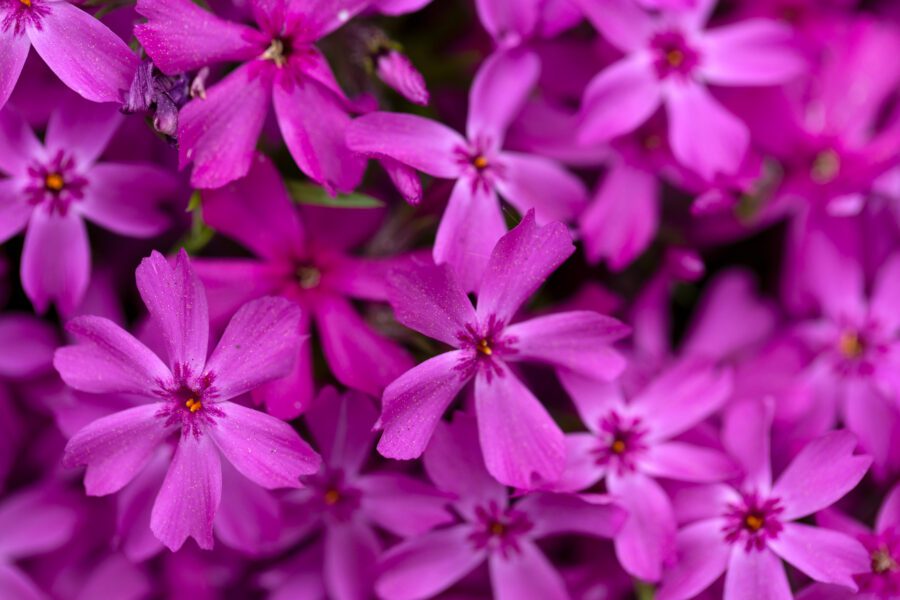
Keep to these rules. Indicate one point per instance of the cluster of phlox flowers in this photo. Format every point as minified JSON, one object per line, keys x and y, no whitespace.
{"x":451,"y":299}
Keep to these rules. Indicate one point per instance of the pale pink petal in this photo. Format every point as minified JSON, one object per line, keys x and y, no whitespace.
{"x":177,"y":304}
{"x":14,"y":209}
{"x":820,"y":475}
{"x":424,"y":566}
{"x":428,"y":298}
{"x":498,"y":93}
{"x":825,"y":555}
{"x":13,"y":52}
{"x":359,"y":357}
{"x":422,"y":144}
{"x":521,"y":261}
{"x":647,"y":539}
{"x":704,"y":136}
{"x":263,"y":449}
{"x":582,"y":470}
{"x":686,"y":462}
{"x":18,"y":144}
{"x":145,"y":186}
{"x":314,"y":126}
{"x":413,"y":404}
{"x":116,"y":448}
{"x":351,"y":552}
{"x":523,"y":447}
{"x":218,"y":132}
{"x":86,"y":55}
{"x":622,"y":22}
{"x":745,"y":434}
{"x":109,"y":360}
{"x":260,"y":344}
{"x":702,"y":502}
{"x":56,"y":261}
{"x":622,"y":218}
{"x":754,"y":575}
{"x":181,"y":36}
{"x":579,"y":341}
{"x":397,"y":71}
{"x":323,"y":17}
{"x":525,"y":574}
{"x":618,"y":100}
{"x":534,"y":182}
{"x":257,"y":211}
{"x":403,"y":505}
{"x":555,"y":514}
{"x":508,"y":21}
{"x":702,"y":556}
{"x":82,"y":129}
{"x":471,"y":225}
{"x":751,"y":52}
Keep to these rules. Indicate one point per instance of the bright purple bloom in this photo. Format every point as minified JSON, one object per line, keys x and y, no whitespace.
{"x":82,"y":51}
{"x":349,"y":504}
{"x":492,"y":528}
{"x":515,"y":22}
{"x":188,"y":397}
{"x":52,"y":188}
{"x":669,"y":60}
{"x":473,"y":222}
{"x":745,"y":532}
{"x":522,"y":445}
{"x":280,"y":65}
{"x":396,"y":70}
{"x":304,"y":258}
{"x":630,"y":444}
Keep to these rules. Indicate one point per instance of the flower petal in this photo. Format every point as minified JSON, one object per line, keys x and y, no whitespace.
{"x":82,"y":129}
{"x":84,"y":53}
{"x":647,"y":539}
{"x":577,"y":340}
{"x":14,"y":583}
{"x":618,"y":100}
{"x":421,"y":143}
{"x":525,"y":575}
{"x":260,"y":344}
{"x":751,"y":52}
{"x":14,"y":210}
{"x":116,"y":448}
{"x":534,"y":182}
{"x":13,"y":52}
{"x":520,"y":262}
{"x":508,"y":22}
{"x":18,"y":144}
{"x":314,"y":125}
{"x":523,"y":447}
{"x":886,"y":294}
{"x":403,"y":505}
{"x":177,"y":304}
{"x":686,"y":462}
{"x":180,"y":36}
{"x":189,"y":497}
{"x":263,"y":449}
{"x":56,"y":261}
{"x":26,"y":346}
{"x":754,"y":575}
{"x":34,"y":522}
{"x":341,"y":426}
{"x":218,"y":131}
{"x":825,"y":555}
{"x":291,"y":395}
{"x":702,"y":558}
{"x":145,"y":186}
{"x":745,"y":434}
{"x":257,"y":211}
{"x":498,"y":93}
{"x":351,"y":552}
{"x":622,"y":22}
{"x":820,"y":475}
{"x":554,"y":514}
{"x":413,"y":404}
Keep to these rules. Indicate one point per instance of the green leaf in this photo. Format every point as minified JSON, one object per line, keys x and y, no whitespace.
{"x":200,"y":234}
{"x":194,"y":202}
{"x":644,"y":591}
{"x":308,"y":193}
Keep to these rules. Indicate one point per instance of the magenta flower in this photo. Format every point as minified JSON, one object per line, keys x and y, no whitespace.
{"x":669,"y":59}
{"x":349,"y":504}
{"x":307,"y":262}
{"x":491,"y":528}
{"x":472,"y":222}
{"x":82,"y":51}
{"x":745,"y":532}
{"x":217,"y":132}
{"x":188,"y":397}
{"x":52,"y":188}
{"x":522,"y":445}
{"x":631,"y":444}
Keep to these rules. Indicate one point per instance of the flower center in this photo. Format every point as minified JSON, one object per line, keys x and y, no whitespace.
{"x":54,"y":182}
{"x":621,"y":442}
{"x":26,"y":2}
{"x":883,"y":562}
{"x":499,"y":529}
{"x":825,"y":167}
{"x":339,"y":498}
{"x":193,"y":405}
{"x":618,"y":446}
{"x":851,"y":345}
{"x":752,"y":521}
{"x":484,"y":346}
{"x":673,"y":55}
{"x":308,"y":276}
{"x":480,"y":162}
{"x":332,"y":497}
{"x":188,"y":401}
{"x":278,"y":52}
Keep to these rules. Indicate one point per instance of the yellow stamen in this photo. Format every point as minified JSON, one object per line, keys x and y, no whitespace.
{"x":308,"y":277}
{"x":26,"y":2}
{"x":480,"y":162}
{"x":850,"y":345}
{"x":618,"y":446}
{"x":675,"y":57}
{"x":498,"y":528}
{"x":332,"y":497}
{"x":883,"y":562}
{"x":53,"y":181}
{"x":754,"y":522}
{"x":193,"y":405}
{"x":826,"y":167}
{"x":485,"y":348}
{"x":275,"y":53}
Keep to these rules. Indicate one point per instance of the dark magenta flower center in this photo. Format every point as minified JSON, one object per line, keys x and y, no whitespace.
{"x":859,"y":349}
{"x":55,"y":184}
{"x":333,"y":494}
{"x":752,"y":521}
{"x":483,"y":345}
{"x":19,"y":14}
{"x":479,"y":164}
{"x":621,"y":442}
{"x":672,"y":55}
{"x":499,"y":529}
{"x":189,"y":401}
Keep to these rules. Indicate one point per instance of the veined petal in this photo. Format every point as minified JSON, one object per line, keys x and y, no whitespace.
{"x":754,"y":575}
{"x":56,"y":261}
{"x":18,"y":144}
{"x":13,"y":52}
{"x":825,"y":555}
{"x":82,"y":129}
{"x":525,"y":575}
{"x":322,"y":17}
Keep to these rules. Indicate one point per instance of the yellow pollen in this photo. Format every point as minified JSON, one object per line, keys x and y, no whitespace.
{"x":26,"y":2}
{"x":332,"y":497}
{"x":193,"y":405}
{"x":53,"y":181}
{"x":825,"y":167}
{"x":498,"y":528}
{"x":485,"y":348}
{"x":480,"y":162}
{"x":883,"y":562}
{"x":618,"y":446}
{"x":753,"y":522}
{"x":675,"y":57}
{"x":275,"y":53}
{"x":850,"y":345}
